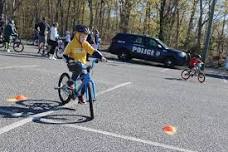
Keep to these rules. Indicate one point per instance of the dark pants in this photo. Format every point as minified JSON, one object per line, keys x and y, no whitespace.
{"x":76,"y":69}
{"x":53,"y":45}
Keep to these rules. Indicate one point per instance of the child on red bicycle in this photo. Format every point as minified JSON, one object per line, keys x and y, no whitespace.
{"x":196,"y":62}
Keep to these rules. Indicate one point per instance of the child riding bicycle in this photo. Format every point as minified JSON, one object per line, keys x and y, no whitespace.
{"x":196,"y":62}
{"x":77,"y":50}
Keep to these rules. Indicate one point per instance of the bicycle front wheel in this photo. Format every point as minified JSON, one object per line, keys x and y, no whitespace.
{"x":90,"y":101}
{"x":185,"y":74}
{"x":201,"y":77}
{"x":63,"y":89}
{"x":18,"y":47}
{"x":59,"y":53}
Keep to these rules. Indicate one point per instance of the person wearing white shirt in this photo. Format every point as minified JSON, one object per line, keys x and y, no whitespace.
{"x":53,"y":41}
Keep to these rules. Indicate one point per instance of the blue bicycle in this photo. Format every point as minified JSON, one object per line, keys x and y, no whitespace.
{"x":83,"y":82}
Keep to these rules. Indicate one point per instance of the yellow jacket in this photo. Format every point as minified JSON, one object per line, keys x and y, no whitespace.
{"x":78,"y":51}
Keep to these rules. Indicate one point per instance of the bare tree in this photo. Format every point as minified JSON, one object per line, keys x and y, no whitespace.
{"x":190,"y":24}
{"x":162,"y":17}
{"x":90,"y":12}
{"x":125,"y":11}
{"x":68,"y":13}
{"x":2,"y":2}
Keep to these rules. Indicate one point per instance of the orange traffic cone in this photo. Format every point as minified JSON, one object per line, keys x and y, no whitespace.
{"x":17,"y":98}
{"x":21,"y":98}
{"x":169,"y":129}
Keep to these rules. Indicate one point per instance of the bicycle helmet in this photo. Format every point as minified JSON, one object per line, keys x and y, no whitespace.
{"x":199,"y":56}
{"x":82,"y":29}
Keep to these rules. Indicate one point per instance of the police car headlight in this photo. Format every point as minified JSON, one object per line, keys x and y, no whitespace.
{"x":182,"y":54}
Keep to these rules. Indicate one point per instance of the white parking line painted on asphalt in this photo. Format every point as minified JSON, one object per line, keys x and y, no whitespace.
{"x":18,"y":66}
{"x":22,"y":122}
{"x":129,"y":138}
{"x":29,"y":119}
{"x":106,"y":133}
{"x":114,"y":88}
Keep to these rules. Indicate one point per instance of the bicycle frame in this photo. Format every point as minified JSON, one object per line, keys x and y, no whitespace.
{"x":196,"y":71}
{"x":86,"y":80}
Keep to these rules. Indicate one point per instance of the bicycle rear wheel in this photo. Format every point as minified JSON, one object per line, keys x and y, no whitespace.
{"x":90,"y":101}
{"x":63,"y":90}
{"x":185,"y":74}
{"x":2,"y":42}
{"x":59,"y":53}
{"x":201,"y":77}
{"x":18,"y":47}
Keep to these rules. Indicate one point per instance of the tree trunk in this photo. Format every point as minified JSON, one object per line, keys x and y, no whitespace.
{"x":67,"y":16}
{"x":209,"y":33}
{"x":1,"y":7}
{"x":83,"y":12}
{"x":177,"y":29}
{"x":109,"y":17}
{"x":190,"y":24}
{"x":147,"y":17}
{"x":125,"y":12}
{"x":16,"y":4}
{"x":162,"y":24}
{"x":49,"y":9}
{"x":221,"y":39}
{"x":198,"y":43}
{"x":61,"y":17}
{"x":57,"y":12}
{"x":100,"y":15}
{"x":117,"y":19}
{"x":90,"y":13}
{"x":96,"y":13}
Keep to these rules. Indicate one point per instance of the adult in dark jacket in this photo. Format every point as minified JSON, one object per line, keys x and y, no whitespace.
{"x":42,"y":27}
{"x":9,"y":31}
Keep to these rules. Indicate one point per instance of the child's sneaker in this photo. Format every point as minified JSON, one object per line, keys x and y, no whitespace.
{"x":81,"y":100}
{"x":53,"y":58}
{"x":70,"y":84}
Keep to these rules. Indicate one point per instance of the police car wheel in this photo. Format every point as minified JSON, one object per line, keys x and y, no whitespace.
{"x":124,"y":56}
{"x":169,"y":62}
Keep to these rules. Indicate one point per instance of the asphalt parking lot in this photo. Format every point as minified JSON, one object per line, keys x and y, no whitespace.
{"x":134,"y":102}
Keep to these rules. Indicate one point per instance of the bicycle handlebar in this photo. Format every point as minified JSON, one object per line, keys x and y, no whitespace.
{"x":93,"y":61}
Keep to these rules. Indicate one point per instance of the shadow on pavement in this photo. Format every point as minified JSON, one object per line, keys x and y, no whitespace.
{"x":32,"y":107}
{"x":217,"y":76}
{"x":27,"y":108}
{"x":62,"y":119}
{"x":22,"y":55}
{"x":178,"y":79}
{"x":140,"y":62}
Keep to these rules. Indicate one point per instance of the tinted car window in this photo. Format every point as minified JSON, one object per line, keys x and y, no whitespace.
{"x":138,"y":40}
{"x":151,"y":43}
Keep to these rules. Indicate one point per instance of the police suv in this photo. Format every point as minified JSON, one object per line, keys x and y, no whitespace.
{"x":127,"y":46}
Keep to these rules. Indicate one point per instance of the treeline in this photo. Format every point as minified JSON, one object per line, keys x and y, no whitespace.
{"x":179,"y":23}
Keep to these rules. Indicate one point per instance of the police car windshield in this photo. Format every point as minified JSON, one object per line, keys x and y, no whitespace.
{"x":163,"y":44}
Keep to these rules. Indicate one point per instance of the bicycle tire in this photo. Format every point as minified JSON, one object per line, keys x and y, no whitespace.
{"x":61,"y":88}
{"x":18,"y":47}
{"x":185,"y":75}
{"x":44,"y":51}
{"x":2,"y":43}
{"x":201,"y":75}
{"x":90,"y":101}
{"x":59,"y":53}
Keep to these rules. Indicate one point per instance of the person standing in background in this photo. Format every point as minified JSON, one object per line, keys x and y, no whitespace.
{"x":53,"y":40}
